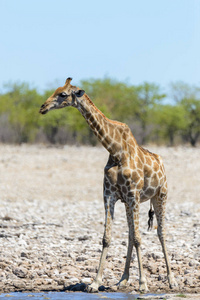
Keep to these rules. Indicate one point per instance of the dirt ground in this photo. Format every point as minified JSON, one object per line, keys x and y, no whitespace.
{"x":52,"y":216}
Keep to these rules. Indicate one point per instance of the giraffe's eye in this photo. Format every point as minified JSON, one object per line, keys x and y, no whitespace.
{"x":63,"y":95}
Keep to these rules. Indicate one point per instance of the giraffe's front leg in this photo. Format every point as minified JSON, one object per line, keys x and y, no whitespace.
{"x":109,"y":202}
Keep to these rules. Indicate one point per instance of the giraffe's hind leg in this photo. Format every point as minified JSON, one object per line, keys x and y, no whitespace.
{"x":132,"y":212}
{"x":159,"y":203}
{"x":125,"y":276}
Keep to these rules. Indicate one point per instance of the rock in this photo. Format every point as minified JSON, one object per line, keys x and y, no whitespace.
{"x":20,"y":272}
{"x":40,"y":272}
{"x":37,"y":282}
{"x":32,"y":275}
{"x":152,"y":268}
{"x":3,"y":265}
{"x":113,"y":288}
{"x":192,"y":263}
{"x":87,"y":280}
{"x":19,"y":284}
{"x":188,"y":281}
{"x":24,"y":254}
{"x":22,"y":242}
{"x":81,"y":258}
{"x":76,"y":287}
{"x":91,"y":269}
{"x":60,"y":281}
{"x":84,"y":238}
{"x":72,"y":255}
{"x":161,"y":277}
{"x":73,"y":280}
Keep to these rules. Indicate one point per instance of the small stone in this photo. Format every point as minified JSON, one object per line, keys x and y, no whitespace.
{"x":3,"y":265}
{"x":91,"y":269}
{"x":87,"y":280}
{"x":191,"y":263}
{"x":73,"y":279}
{"x":40,"y":272}
{"x":81,"y":258}
{"x":60,"y":281}
{"x":188,"y":281}
{"x":20,"y":272}
{"x":22,"y":243}
{"x":156,"y":255}
{"x":160,"y":277}
{"x":114,"y":288}
{"x":152,"y":268}
{"x":72,"y":256}
{"x":84,"y":238}
{"x":55,"y":272}
{"x":19,"y":284}
{"x":38,"y":282}
{"x":23,"y":254}
{"x":33,"y":275}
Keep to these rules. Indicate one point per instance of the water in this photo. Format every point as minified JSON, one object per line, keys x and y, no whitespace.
{"x":71,"y":296}
{"x":66,"y":296}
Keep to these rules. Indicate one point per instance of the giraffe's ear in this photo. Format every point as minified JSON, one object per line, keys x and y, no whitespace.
{"x":80,"y":93}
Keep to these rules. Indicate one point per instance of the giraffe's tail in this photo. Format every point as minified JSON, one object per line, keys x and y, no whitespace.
{"x":151,"y":214}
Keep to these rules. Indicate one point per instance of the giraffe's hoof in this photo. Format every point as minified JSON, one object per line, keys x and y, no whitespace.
{"x":93,"y":288}
{"x":172,"y":282}
{"x":122,"y":283}
{"x":143,"y":288}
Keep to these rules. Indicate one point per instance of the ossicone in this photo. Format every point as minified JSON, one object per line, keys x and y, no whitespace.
{"x":68,"y":80}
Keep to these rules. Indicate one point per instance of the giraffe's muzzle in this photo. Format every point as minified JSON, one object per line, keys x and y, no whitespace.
{"x":44,"y":109}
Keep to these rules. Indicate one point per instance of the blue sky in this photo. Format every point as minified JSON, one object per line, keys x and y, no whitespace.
{"x":44,"y":41}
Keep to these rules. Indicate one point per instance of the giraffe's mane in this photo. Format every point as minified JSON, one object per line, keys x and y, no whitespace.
{"x":100,"y":112}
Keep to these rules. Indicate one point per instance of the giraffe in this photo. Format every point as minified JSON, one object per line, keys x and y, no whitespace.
{"x":132,"y":175}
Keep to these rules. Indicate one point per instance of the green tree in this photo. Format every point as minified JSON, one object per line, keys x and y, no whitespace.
{"x":20,"y":104}
{"x":115,"y":99}
{"x":189,"y":98}
{"x":141,"y":107}
{"x":148,"y":95}
{"x":180,"y":90}
{"x":192,"y":119}
{"x":170,"y":120}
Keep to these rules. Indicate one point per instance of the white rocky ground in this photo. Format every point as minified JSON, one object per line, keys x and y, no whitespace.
{"x":52,"y":216}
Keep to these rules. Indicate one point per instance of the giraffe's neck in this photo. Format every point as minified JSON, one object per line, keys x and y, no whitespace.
{"x":110,"y":133}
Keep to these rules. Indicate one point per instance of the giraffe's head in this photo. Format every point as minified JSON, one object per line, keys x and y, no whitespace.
{"x":63,"y":96}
